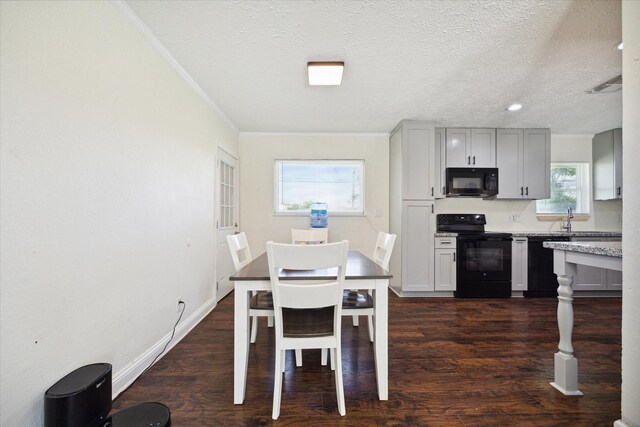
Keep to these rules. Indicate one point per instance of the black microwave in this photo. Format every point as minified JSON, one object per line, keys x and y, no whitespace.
{"x":472,"y":182}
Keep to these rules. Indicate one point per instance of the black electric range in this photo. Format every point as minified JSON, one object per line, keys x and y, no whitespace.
{"x":483,"y":267}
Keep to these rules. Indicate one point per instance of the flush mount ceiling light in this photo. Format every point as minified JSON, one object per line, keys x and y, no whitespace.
{"x":325,"y":73}
{"x":514,"y":107}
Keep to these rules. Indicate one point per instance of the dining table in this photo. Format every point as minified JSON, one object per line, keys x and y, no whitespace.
{"x":361,"y":273}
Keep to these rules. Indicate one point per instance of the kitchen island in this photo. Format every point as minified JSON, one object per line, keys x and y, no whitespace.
{"x":566,"y":256}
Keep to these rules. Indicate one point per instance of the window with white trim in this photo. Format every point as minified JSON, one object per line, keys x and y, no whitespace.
{"x":339,"y":183}
{"x":570,"y":188}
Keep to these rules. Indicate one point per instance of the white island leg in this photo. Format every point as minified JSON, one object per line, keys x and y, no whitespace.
{"x":565,"y":364}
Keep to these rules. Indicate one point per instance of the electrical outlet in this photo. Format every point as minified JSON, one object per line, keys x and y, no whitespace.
{"x":178,"y":303}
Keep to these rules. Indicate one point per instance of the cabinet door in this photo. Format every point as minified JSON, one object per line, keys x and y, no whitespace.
{"x":537,"y":164}
{"x":509,"y":153}
{"x":417,"y":161}
{"x":519,"y":267}
{"x":445,"y":270}
{"x":458,"y":141}
{"x":614,"y":280}
{"x":483,"y":148}
{"x":589,"y":278}
{"x":417,"y":246}
{"x":617,"y":162}
{"x":439,"y":171}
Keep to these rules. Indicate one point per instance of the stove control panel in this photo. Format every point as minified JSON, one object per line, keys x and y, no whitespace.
{"x":461,"y":219}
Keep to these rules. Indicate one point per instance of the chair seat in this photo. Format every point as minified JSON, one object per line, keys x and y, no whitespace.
{"x":307,"y":322}
{"x":356,"y":300}
{"x":261,"y":301}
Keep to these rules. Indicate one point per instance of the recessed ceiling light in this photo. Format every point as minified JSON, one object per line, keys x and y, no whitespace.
{"x":620,"y":45}
{"x":325,"y":73}
{"x":514,"y":107}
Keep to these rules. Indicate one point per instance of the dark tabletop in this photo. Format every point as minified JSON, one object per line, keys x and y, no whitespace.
{"x":358,"y":267}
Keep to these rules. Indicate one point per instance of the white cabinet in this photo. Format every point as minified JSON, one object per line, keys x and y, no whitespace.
{"x":439,"y":173}
{"x":445,"y":264}
{"x":519,"y":265}
{"x":590,"y":278}
{"x":524,"y":161}
{"x":472,"y":148}
{"x":412,"y":258}
{"x":412,"y":159}
{"x":411,"y":194}
{"x":607,"y":165}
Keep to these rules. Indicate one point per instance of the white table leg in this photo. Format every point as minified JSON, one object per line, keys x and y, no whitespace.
{"x":565,"y":365}
{"x":241,"y":343}
{"x":380,"y":343}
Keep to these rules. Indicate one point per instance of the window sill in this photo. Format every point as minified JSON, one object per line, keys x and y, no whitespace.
{"x":558,"y":217}
{"x":333,"y":214}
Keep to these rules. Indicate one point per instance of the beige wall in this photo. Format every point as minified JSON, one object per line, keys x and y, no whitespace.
{"x":257,"y":155}
{"x":107,"y":197}
{"x":631,"y":229}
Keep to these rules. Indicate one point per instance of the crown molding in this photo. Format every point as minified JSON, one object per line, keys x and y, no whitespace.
{"x":135,"y":20}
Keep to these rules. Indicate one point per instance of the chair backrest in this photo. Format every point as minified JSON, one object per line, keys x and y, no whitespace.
{"x":239,"y":247}
{"x":383,"y":249}
{"x":309,"y":236}
{"x":307,"y":294}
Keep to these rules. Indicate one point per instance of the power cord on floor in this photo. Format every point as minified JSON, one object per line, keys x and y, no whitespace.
{"x":184,"y":307}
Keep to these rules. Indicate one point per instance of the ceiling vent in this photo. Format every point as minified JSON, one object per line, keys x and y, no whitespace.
{"x":611,"y":85}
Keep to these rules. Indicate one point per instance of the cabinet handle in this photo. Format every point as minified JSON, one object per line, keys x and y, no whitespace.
{"x":522,"y":191}
{"x":527,"y":191}
{"x":474,"y":160}
{"x":619,"y":188}
{"x":454,"y":257}
{"x":431,"y":191}
{"x":469,"y":160}
{"x":444,"y":190}
{"x":445,"y":242}
{"x":431,"y":208}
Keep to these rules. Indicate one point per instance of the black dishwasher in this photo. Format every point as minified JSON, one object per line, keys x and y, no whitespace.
{"x":541,"y":280}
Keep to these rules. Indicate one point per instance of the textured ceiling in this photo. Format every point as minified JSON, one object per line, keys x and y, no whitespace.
{"x":460,"y":63}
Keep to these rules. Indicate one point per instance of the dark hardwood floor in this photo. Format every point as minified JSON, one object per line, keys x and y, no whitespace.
{"x":452,"y":362}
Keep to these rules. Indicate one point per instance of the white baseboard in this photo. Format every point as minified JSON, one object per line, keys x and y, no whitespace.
{"x":123,"y":379}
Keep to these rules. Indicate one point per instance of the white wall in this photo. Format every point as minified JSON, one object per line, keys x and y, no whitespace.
{"x":107,"y":196}
{"x":631,"y":228}
{"x":257,"y":155}
{"x":605,"y":215}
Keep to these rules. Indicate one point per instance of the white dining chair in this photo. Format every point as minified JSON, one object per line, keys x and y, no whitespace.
{"x":261,"y":303}
{"x":307,"y":313}
{"x":358,"y":303}
{"x":309,"y":236}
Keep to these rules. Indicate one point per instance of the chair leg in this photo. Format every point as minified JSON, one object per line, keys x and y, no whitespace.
{"x":332,"y":358}
{"x":298,"y":357}
{"x":356,"y":320}
{"x":370,"y":318}
{"x":277,"y":383}
{"x":270,"y":321}
{"x":254,"y":329}
{"x":337,"y":356}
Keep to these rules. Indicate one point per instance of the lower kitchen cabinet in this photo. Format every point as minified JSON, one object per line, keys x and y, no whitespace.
{"x":413,"y":256}
{"x":589,"y":278}
{"x":519,"y":259}
{"x":445,"y":264}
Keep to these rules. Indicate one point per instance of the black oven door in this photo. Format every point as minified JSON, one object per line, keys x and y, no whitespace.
{"x":483,"y":266}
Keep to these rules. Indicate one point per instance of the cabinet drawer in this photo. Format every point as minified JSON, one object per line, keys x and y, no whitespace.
{"x":445,"y":242}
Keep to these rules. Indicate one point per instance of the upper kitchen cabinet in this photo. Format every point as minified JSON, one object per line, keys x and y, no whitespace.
{"x":412,"y":160}
{"x":439,"y":176}
{"x":524,"y":161}
{"x":607,"y":165}
{"x":471,"y":148}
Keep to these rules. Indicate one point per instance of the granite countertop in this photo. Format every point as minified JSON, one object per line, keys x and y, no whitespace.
{"x":443,"y":234}
{"x":565,"y":233}
{"x":613,"y":249}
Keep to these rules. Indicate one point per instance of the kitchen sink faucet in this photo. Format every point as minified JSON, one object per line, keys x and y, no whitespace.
{"x":567,"y":226}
